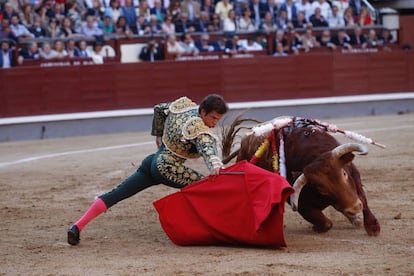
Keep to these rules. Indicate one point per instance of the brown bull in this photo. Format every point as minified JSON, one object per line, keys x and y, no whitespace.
{"x":327,"y":176}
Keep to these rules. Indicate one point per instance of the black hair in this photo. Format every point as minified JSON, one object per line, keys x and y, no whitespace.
{"x":213,"y":102}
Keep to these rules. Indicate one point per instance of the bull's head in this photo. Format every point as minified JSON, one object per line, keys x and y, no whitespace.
{"x":330,"y":173}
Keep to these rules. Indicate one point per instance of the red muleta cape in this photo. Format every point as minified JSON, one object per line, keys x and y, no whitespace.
{"x":229,"y":209}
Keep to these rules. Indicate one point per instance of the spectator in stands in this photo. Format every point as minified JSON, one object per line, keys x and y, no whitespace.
{"x":140,"y":28}
{"x":250,"y":45}
{"x":183,"y":25}
{"x":27,"y":15}
{"x":364,"y":18}
{"x":350,"y":20}
{"x":114,"y":10}
{"x":128,"y":11}
{"x":74,"y":16}
{"x":192,"y":8}
{"x":309,"y":40}
{"x":318,"y":20}
{"x":57,"y":10}
{"x":154,"y":26}
{"x":9,"y":11}
{"x":19,"y":30}
{"x":356,"y":6}
{"x":81,"y":7}
{"x":158,"y":11}
{"x":173,"y":47}
{"x":144,"y":10}
{"x":71,"y":48}
{"x":291,"y":10}
{"x":229,"y":23}
{"x":295,"y":40}
{"x":372,"y":39}
{"x":215,"y":23}
{"x":83,"y":49}
{"x":187,"y":43}
{"x":270,"y":6}
{"x":204,"y":24}
{"x":174,"y":10}
{"x":257,"y":11}
{"x":207,"y":7}
{"x":151,"y":52}
{"x":386,"y":38}
{"x":222,"y":8}
{"x":37,"y":28}
{"x":6,"y":54}
{"x":326,"y":40}
{"x":29,"y":52}
{"x":54,"y":29}
{"x":47,"y":52}
{"x":301,"y":22}
{"x":6,"y":31}
{"x":279,"y":52}
{"x":122,"y":28}
{"x":220,"y":44}
{"x":60,"y":50}
{"x":245,"y":22}
{"x":324,"y":6}
{"x":90,"y":28}
{"x":107,"y":26}
{"x":168,"y":26}
{"x":107,"y":3}
{"x":96,"y":10}
{"x":357,"y":38}
{"x":97,"y":54}
{"x":336,"y":20}
{"x":342,"y":39}
{"x":342,"y":6}
{"x":305,"y":7}
{"x":204,"y":44}
{"x":281,"y":41}
{"x":41,"y":12}
{"x":233,"y":45}
{"x":281,"y":20}
{"x":268,"y":25}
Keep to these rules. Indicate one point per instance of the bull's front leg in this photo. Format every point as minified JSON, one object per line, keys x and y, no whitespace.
{"x":310,"y":208}
{"x":371,"y":224}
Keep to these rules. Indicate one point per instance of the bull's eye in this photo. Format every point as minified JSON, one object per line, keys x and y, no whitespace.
{"x":306,"y":133}
{"x":345,"y":173}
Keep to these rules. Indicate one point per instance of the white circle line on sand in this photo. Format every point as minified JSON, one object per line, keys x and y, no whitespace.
{"x":52,"y":155}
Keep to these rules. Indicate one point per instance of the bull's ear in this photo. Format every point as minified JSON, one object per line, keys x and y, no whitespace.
{"x":347,"y":158}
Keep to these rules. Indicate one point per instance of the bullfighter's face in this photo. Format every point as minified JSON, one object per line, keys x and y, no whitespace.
{"x":210,"y":119}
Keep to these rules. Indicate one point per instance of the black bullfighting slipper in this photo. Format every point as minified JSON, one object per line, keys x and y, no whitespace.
{"x":73,"y":235}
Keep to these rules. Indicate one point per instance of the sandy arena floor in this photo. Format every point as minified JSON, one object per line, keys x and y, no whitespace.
{"x":46,"y":185}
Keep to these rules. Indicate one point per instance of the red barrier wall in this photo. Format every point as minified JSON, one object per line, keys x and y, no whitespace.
{"x":36,"y":91}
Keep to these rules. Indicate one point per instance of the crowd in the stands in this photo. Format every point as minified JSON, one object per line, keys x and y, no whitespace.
{"x":58,"y":28}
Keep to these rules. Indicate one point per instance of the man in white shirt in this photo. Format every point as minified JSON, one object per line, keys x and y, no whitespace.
{"x":19,"y":30}
{"x":324,"y":6}
{"x":336,"y":20}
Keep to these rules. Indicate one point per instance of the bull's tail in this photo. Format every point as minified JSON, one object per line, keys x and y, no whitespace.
{"x":230,"y":133}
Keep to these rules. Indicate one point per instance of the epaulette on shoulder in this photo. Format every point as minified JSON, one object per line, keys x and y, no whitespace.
{"x":181,"y":105}
{"x":195,"y":127}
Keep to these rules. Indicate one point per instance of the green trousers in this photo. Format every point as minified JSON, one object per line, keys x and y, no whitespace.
{"x":148,"y":175}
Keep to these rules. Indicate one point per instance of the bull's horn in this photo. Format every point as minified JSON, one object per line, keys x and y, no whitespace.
{"x":349,"y":147}
{"x":297,"y":186}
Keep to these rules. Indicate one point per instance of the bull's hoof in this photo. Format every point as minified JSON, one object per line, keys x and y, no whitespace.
{"x":322,"y":228}
{"x":373,"y":229}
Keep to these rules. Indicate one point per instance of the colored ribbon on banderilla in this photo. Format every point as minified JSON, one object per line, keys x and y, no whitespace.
{"x":349,"y":134}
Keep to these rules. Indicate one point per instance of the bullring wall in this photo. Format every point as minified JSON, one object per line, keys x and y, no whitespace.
{"x":26,"y":91}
